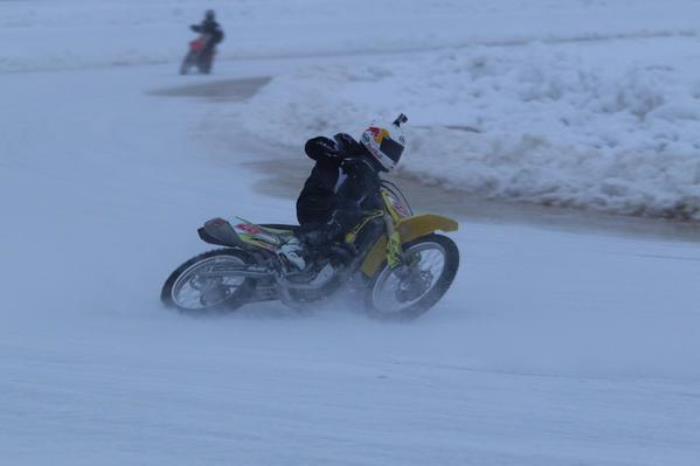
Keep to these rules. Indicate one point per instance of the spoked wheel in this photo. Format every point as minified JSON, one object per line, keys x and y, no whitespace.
{"x":408,"y":291}
{"x":206,"y":283}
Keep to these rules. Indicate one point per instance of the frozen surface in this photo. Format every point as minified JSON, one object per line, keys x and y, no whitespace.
{"x":551,"y":349}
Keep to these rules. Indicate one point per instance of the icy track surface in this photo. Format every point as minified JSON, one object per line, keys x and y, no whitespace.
{"x":551,"y":349}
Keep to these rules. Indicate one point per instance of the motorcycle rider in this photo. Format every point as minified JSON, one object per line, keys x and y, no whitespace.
{"x":210,"y":27}
{"x":343,"y":185}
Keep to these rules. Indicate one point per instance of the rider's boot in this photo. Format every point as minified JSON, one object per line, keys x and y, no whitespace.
{"x":293,"y":251}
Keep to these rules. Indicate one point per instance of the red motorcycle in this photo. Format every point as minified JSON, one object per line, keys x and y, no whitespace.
{"x":200,"y":55}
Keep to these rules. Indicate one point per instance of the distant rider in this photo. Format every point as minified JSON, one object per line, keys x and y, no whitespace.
{"x":343,"y":185}
{"x":210,"y":27}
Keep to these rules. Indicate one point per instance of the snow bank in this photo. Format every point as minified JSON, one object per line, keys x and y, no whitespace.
{"x":541,"y":124}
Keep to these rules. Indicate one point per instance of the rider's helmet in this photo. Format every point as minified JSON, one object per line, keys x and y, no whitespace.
{"x":386,"y":144}
{"x":209,"y":15}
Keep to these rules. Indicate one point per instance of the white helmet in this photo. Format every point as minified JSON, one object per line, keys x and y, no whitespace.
{"x":386,"y":144}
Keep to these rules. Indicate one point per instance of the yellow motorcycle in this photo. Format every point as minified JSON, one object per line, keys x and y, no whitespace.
{"x":393,"y":262}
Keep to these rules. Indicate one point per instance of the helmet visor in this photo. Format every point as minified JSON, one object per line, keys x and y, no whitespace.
{"x":391,"y":149}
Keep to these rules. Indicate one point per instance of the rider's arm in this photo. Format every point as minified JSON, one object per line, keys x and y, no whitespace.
{"x":341,"y":146}
{"x":322,"y":149}
{"x":360,"y":181}
{"x":212,"y":28}
{"x":347,"y":145}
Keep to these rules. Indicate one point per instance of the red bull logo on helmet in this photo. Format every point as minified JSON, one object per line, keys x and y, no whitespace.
{"x":378,"y":134}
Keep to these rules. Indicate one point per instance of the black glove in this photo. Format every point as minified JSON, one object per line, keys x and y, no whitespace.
{"x":348,"y":146}
{"x":322,"y":148}
{"x":344,"y":142}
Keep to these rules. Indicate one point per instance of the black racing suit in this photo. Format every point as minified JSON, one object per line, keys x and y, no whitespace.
{"x":343,"y":185}
{"x":211,"y":28}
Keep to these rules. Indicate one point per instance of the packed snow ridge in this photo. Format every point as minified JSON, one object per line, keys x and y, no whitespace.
{"x":539,"y":125}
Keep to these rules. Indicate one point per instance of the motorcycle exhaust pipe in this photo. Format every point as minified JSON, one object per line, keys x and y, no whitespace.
{"x":242,"y":272}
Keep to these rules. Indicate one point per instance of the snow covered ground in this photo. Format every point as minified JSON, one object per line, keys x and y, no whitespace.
{"x":603,"y":125}
{"x":553,"y":348}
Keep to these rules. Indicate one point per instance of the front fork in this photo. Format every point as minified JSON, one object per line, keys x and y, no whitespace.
{"x":394,"y":251}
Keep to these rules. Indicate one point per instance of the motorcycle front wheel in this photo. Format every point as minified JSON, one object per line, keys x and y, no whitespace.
{"x":408,"y":291}
{"x":202,"y":285}
{"x":187,"y":63}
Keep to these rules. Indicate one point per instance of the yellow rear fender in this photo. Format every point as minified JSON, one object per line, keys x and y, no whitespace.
{"x":409,"y":229}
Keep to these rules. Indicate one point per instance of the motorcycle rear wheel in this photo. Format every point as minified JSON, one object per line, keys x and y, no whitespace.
{"x":196,"y":288}
{"x":393,"y":298}
{"x":205,"y":61}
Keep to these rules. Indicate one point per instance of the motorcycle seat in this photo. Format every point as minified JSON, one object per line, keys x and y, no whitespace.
{"x":280,"y":226}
